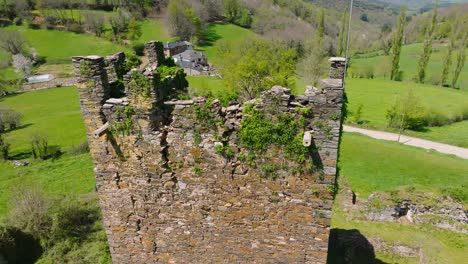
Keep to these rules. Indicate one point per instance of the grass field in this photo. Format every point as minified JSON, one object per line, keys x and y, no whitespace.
{"x":226,"y":32}
{"x":72,"y":175}
{"x":377,"y":96}
{"x":409,"y":61}
{"x":381,"y":166}
{"x":153,"y":30}
{"x":60,"y":46}
{"x":388,"y":166}
{"x":54,"y":112}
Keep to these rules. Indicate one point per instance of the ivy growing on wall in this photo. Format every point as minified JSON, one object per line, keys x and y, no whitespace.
{"x":259,"y":131}
{"x":124,"y":123}
{"x":85,"y":68}
{"x":140,"y":84}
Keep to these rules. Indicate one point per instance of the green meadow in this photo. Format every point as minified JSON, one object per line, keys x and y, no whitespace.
{"x":59,"y":46}
{"x":409,"y":63}
{"x":377,"y":96}
{"x":388,"y":166}
{"x":369,"y":165}
{"x":54,"y":113}
{"x":226,"y":32}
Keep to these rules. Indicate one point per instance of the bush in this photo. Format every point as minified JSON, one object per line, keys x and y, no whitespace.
{"x":76,"y":28}
{"x":73,"y":220}
{"x":39,"y":146}
{"x":457,"y":193}
{"x":4,"y":148}
{"x":80,"y":149}
{"x":399,"y":76}
{"x":436,"y":118}
{"x":407,"y":113}
{"x":139,"y":49}
{"x":18,"y":21}
{"x":29,"y":212}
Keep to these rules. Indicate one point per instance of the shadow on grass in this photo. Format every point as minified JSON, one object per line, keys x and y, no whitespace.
{"x":20,"y":248}
{"x":350,"y":247}
{"x":20,"y":156}
{"x":209,"y":37}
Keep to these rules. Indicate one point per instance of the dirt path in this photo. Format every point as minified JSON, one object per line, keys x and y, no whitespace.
{"x":411,"y":141}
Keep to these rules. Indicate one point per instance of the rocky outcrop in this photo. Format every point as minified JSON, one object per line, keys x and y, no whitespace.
{"x":176,"y":184}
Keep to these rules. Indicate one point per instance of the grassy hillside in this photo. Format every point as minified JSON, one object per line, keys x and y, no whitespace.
{"x":226,"y":32}
{"x":377,"y":96}
{"x":153,"y":30}
{"x":60,"y":46}
{"x":409,"y":63}
{"x":54,"y":112}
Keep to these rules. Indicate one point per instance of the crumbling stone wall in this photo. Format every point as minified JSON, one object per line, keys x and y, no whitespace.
{"x":167,"y":193}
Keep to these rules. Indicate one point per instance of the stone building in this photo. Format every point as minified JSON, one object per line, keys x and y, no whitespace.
{"x":174,"y":48}
{"x":176,"y":185}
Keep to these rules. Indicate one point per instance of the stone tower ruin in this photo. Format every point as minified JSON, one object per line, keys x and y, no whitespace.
{"x":178,"y":185}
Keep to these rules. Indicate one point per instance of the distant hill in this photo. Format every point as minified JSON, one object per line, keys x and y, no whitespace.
{"x":420,"y":5}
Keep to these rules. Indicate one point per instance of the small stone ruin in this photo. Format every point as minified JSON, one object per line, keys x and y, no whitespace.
{"x":177,"y":185}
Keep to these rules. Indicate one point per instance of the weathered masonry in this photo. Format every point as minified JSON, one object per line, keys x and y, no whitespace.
{"x":177,"y":183}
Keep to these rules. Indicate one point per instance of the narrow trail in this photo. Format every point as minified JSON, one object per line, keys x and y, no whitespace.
{"x":411,"y":141}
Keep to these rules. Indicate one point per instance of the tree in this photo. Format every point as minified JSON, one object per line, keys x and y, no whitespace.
{"x":95,"y":22}
{"x":134,"y":30}
{"x":214,"y":8}
{"x":22,"y":64}
{"x":256,"y":65}
{"x":407,"y":113}
{"x":461,"y":57}
{"x":427,"y":48}
{"x":12,"y":42}
{"x":232,"y":9}
{"x":397,"y":42}
{"x":119,"y":23}
{"x":183,"y":21}
{"x":342,"y":37}
{"x":312,"y":67}
{"x":448,"y":58}
{"x":320,"y":33}
{"x":9,"y":118}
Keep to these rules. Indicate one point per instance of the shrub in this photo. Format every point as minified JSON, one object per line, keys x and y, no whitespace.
{"x":10,"y":118}
{"x":407,"y":113}
{"x":399,"y":76}
{"x":73,"y":220}
{"x":358,"y":115}
{"x":436,"y":118}
{"x":457,"y":193}
{"x":39,"y":146}
{"x":29,"y":212}
{"x":269,"y":171}
{"x":4,"y":148}
{"x":80,"y":149}
{"x":76,"y":28}
{"x":18,"y":21}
